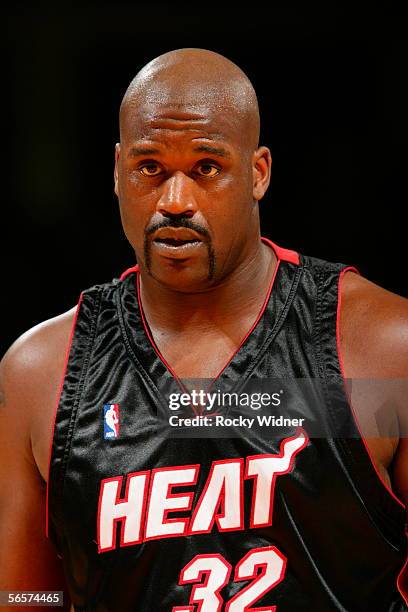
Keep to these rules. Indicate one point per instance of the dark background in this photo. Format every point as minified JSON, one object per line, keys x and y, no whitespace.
{"x":330,"y":79}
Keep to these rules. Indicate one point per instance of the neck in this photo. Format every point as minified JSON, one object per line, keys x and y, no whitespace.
{"x":235,"y":298}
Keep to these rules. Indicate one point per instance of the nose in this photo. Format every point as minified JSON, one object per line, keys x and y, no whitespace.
{"x":177,"y":198}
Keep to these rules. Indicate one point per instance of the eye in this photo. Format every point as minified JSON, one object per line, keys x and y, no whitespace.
{"x":208,"y":169}
{"x":150,"y":169}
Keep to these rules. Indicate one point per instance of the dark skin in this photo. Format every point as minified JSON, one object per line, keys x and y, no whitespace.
{"x":194,"y":163}
{"x":204,"y":295}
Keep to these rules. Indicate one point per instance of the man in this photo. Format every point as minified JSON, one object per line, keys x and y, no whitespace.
{"x":153,"y":521}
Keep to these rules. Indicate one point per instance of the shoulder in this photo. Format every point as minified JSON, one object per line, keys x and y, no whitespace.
{"x":40,"y":343}
{"x":373,"y":329}
{"x":33,"y":364}
{"x":39,"y":354}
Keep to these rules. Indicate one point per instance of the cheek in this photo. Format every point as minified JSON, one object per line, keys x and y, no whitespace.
{"x":135,"y":212}
{"x":230,"y":205}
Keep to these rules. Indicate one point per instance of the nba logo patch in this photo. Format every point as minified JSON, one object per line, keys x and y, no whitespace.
{"x":110,"y":421}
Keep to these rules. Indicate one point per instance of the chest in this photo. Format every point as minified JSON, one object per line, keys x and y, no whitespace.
{"x":201,"y":355}
{"x":365,"y":405}
{"x":191,"y":356}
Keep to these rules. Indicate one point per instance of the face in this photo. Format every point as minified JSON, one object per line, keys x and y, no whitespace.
{"x":188,"y":189}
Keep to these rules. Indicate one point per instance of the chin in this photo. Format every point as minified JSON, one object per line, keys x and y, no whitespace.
{"x":182,"y":276}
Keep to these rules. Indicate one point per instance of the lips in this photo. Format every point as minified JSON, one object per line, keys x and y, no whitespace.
{"x":176,"y":235}
{"x":177,"y":241}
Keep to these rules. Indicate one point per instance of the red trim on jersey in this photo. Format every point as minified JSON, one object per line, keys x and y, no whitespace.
{"x":264,"y":305}
{"x":242,"y":341}
{"x":152,"y":342}
{"x":71,"y":336}
{"x":389,"y":490}
{"x":278,"y":252}
{"x":283,"y":254}
{"x":403,"y":577}
{"x":129,"y":271}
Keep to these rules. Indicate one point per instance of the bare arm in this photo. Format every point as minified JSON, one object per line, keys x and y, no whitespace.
{"x":29,"y":378}
{"x":374,"y":341}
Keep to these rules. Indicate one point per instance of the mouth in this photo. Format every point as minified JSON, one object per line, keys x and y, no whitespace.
{"x":177,"y":243}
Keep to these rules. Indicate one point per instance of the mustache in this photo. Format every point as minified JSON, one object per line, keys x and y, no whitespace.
{"x":183,"y":222}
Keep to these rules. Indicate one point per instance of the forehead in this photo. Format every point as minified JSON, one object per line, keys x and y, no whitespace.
{"x":163,"y":113}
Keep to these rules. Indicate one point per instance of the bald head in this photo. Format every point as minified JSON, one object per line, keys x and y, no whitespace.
{"x":197,"y":81}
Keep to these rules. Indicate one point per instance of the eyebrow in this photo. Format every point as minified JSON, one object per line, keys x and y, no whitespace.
{"x":219,"y":151}
{"x":138,"y":151}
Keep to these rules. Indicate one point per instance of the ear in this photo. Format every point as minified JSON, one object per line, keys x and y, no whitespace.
{"x":116,"y":171}
{"x":261,"y":171}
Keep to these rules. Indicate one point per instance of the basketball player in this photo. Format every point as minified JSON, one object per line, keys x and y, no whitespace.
{"x":246,"y":521}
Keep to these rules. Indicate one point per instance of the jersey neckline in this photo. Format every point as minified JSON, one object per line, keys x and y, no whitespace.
{"x":242,"y":361}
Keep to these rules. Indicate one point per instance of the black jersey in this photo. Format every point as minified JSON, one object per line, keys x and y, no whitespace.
{"x":159,"y":500}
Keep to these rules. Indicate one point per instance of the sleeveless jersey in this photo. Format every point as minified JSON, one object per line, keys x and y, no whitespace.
{"x":197,"y":516}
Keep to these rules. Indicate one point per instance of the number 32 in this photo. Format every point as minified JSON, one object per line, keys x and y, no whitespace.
{"x":265,"y":566}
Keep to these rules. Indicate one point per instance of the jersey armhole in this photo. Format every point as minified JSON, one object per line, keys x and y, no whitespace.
{"x":402,"y":577}
{"x":346,"y":390}
{"x":61,"y":384}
